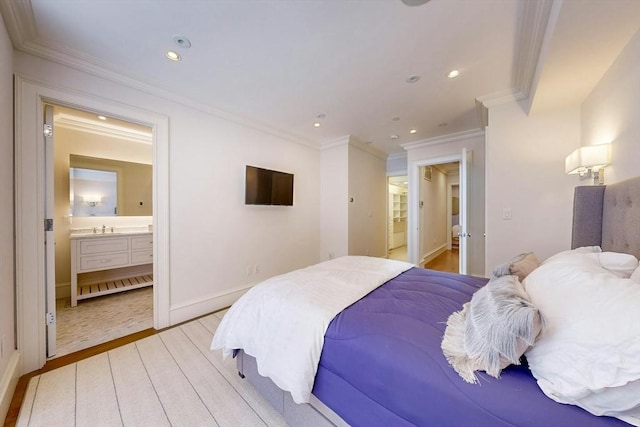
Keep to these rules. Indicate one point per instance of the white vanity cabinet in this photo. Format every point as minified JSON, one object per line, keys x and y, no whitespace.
{"x":103,"y":264}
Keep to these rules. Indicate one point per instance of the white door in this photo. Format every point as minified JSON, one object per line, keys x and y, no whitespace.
{"x":50,"y":251}
{"x":465,"y":233}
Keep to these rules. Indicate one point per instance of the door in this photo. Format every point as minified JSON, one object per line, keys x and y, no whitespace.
{"x":50,"y":248}
{"x":465,"y":234}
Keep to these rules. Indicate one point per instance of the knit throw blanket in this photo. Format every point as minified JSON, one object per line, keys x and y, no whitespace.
{"x":492,"y":330}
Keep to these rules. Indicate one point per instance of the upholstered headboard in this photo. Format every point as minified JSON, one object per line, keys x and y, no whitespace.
{"x":608,"y":216}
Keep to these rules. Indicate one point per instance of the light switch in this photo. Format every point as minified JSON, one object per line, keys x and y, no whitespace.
{"x":506,"y":213}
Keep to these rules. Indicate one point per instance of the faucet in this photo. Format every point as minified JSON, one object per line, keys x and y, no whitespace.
{"x":103,"y":228}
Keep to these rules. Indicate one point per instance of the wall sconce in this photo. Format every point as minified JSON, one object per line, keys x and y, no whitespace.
{"x":91,"y":200}
{"x":589,"y":162}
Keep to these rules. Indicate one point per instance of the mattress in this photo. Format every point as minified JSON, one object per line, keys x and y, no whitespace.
{"x":382,"y":365}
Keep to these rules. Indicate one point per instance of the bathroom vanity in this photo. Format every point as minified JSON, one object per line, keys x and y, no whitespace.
{"x":107,"y":261}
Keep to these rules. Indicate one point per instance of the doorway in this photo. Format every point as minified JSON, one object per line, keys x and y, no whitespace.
{"x":397,"y":190}
{"x":31,"y":317}
{"x":422,"y":246}
{"x":102,"y":194}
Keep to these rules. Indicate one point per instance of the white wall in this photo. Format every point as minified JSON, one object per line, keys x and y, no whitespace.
{"x":610,"y":114}
{"x":8,"y":356}
{"x":433,"y":214}
{"x":213,"y":236}
{"x":525,"y":173}
{"x":452,"y":145}
{"x":368,"y":210}
{"x":334,"y":198}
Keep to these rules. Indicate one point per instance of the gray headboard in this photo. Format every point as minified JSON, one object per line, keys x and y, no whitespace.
{"x":608,"y":216}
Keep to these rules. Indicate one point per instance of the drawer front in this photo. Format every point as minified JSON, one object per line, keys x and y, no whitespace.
{"x":104,"y":262}
{"x":142,"y":242}
{"x":99,"y":245}
{"x":142,"y":257}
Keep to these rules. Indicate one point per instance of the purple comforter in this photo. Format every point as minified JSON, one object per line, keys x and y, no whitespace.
{"x":382,"y":365}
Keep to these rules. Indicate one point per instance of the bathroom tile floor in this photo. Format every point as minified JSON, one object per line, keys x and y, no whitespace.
{"x":97,"y":320}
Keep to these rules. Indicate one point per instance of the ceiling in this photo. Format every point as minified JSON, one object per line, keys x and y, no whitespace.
{"x":347,"y":64}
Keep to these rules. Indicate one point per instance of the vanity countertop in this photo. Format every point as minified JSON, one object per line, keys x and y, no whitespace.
{"x":82,"y":233}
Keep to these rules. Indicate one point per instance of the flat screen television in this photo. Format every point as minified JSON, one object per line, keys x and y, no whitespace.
{"x":268,"y":187}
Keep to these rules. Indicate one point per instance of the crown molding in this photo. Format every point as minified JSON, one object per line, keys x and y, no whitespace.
{"x":452,"y":137}
{"x":351,"y":140}
{"x":533,"y":29}
{"x":103,"y":129}
{"x":19,"y":20}
{"x":22,"y":30}
{"x":396,"y":156}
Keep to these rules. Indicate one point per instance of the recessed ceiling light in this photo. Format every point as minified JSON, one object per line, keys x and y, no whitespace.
{"x":317,"y":124}
{"x":182,"y":41}
{"x":102,"y":117}
{"x":394,"y":136}
{"x":453,"y":74}
{"x":172,"y":55}
{"x":413,"y":131}
{"x":413,"y":79}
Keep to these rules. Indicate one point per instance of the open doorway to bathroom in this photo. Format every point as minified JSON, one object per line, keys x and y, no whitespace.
{"x":397,"y":217}
{"x":102,"y":191}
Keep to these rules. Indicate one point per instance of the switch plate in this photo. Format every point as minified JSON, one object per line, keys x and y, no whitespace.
{"x":506,"y":213}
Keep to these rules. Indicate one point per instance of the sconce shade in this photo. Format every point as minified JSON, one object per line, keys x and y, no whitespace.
{"x":588,"y":157}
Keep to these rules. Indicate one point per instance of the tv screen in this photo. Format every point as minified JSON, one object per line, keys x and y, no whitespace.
{"x":268,"y":187}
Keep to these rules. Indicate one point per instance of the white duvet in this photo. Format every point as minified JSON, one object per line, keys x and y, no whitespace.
{"x":282,"y":321}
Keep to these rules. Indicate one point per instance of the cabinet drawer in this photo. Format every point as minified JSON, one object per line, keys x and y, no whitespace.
{"x":101,"y":262}
{"x":142,"y":257}
{"x":142,"y":242}
{"x":99,"y":245}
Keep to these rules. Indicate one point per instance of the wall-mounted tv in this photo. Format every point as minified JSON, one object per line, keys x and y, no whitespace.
{"x":268,"y":187}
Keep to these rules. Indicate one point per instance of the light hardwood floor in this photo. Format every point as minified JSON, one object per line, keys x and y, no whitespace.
{"x":447,"y":261}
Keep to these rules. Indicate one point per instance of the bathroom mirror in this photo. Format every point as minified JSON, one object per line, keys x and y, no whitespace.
{"x":106,"y":187}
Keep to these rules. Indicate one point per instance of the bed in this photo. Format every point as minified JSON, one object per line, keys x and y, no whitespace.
{"x":381,"y":361}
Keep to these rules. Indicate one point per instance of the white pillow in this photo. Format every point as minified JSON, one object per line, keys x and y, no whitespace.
{"x":622,"y":265}
{"x":589,"y":352}
{"x":570,"y":252}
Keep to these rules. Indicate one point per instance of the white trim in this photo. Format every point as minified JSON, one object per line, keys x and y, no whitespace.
{"x":192,"y":309}
{"x":67,"y":121}
{"x":8,"y":383}
{"x":413,"y":214}
{"x":396,"y":156}
{"x":354,"y":142}
{"x":29,"y":98}
{"x":452,"y":137}
{"x":534,"y":25}
{"x":429,"y":256}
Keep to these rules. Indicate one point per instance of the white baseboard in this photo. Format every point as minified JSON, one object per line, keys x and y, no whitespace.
{"x":191,"y":310}
{"x":63,"y":290}
{"x":433,"y":254}
{"x":8,"y":384}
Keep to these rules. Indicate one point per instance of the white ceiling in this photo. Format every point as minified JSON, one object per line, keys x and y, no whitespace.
{"x":281,"y":63}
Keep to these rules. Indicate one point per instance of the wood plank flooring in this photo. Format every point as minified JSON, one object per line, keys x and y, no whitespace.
{"x":447,"y":261}
{"x":168,"y":378}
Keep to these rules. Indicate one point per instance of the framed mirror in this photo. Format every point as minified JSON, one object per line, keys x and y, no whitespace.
{"x":106,"y":187}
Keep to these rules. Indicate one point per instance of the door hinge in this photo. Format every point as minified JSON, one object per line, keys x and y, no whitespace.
{"x":47,"y":130}
{"x":48,"y":224}
{"x":51,"y":318}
